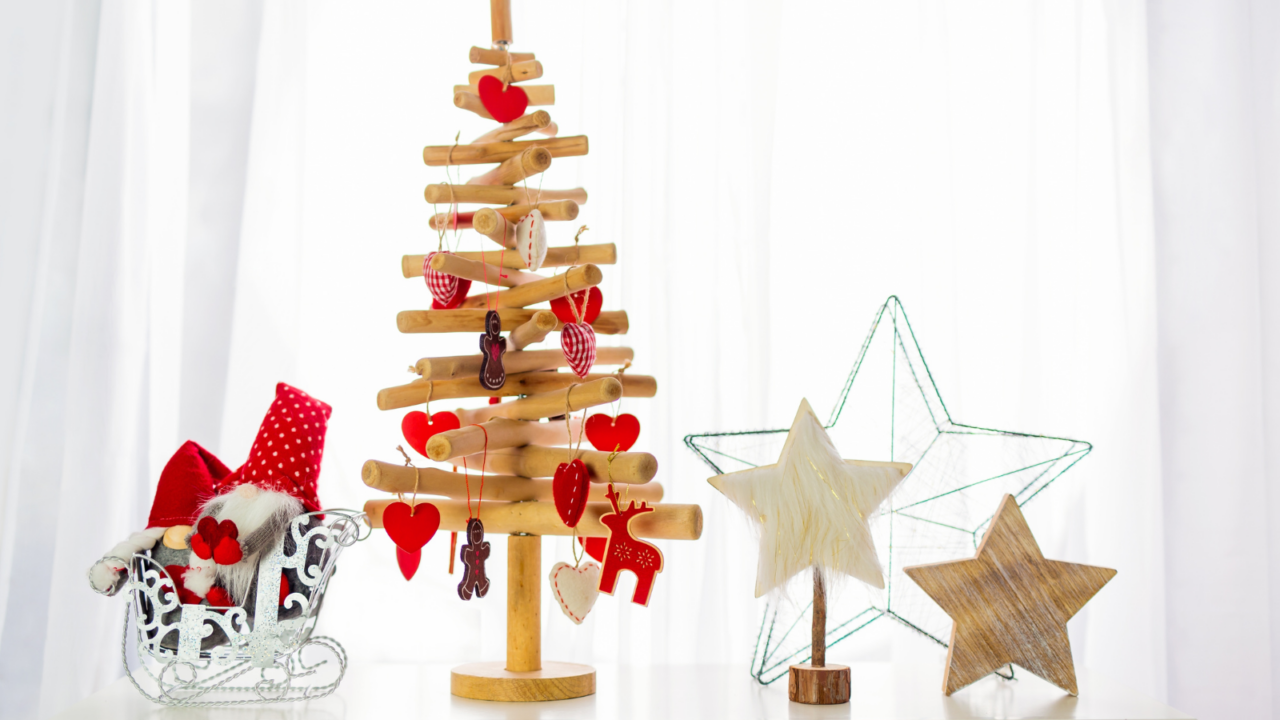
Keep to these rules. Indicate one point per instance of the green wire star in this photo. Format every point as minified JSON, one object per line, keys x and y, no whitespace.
{"x":940,"y":510}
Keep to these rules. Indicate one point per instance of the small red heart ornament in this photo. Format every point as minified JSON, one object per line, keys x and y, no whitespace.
{"x":209,"y":539}
{"x":411,"y":528}
{"x":504,"y":105}
{"x":227,"y":552}
{"x":578,"y":341}
{"x":570,"y":488}
{"x":608,"y":434}
{"x":594,"y":301}
{"x":418,"y":428}
{"x":595,"y":546}
{"x":408,"y":561}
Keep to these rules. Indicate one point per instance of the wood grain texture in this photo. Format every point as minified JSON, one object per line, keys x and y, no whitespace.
{"x":524,"y":603}
{"x":390,"y":477}
{"x":491,"y":681}
{"x":610,"y":322}
{"x":496,"y":152}
{"x":446,"y":368}
{"x":526,"y":383}
{"x":1009,"y":604}
{"x":812,"y":685}
{"x":668,"y":521}
{"x":541,"y":461}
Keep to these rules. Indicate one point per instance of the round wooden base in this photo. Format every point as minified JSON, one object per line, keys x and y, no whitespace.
{"x":555,"y":681}
{"x":810,"y":685}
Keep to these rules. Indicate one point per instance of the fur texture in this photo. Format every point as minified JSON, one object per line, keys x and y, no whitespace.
{"x":262,"y":518}
{"x":106,"y":576}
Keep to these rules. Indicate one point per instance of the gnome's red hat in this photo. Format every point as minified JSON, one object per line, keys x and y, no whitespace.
{"x":285,"y":456}
{"x":185,"y":485}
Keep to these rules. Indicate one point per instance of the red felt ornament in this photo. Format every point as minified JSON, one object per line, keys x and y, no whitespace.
{"x":570,"y":488}
{"x":626,"y":552}
{"x":217,"y":541}
{"x":587,"y":301}
{"x":612,"y":434}
{"x":595,"y":546}
{"x":418,"y":427}
{"x":411,"y":527}
{"x":578,"y":342}
{"x":408,"y":561}
{"x":504,"y":102}
{"x":492,"y":348}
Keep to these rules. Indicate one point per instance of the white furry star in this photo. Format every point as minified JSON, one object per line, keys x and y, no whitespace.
{"x":812,"y":506}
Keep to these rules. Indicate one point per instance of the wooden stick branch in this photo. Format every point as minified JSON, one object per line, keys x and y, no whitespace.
{"x":612,"y":322}
{"x":514,"y":73}
{"x":471,"y":101}
{"x":497,"y":434}
{"x":532,"y":331}
{"x":485,"y":56}
{"x":481,"y":272}
{"x":537,"y":121}
{"x":445,"y":368}
{"x":417,"y":392}
{"x":538,"y":461}
{"x":557,"y":211}
{"x":819,"y":636}
{"x":489,"y":223}
{"x":538,"y":94}
{"x":557,"y":402}
{"x":439,"y":155}
{"x":500,"y":23}
{"x":516,"y":168}
{"x":498,"y":194}
{"x":606,"y":254}
{"x":393,"y":478}
{"x":666,"y":522}
{"x":575,"y":279}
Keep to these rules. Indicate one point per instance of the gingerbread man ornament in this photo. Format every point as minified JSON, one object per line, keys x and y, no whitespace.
{"x":474,"y":553}
{"x":492,"y":347}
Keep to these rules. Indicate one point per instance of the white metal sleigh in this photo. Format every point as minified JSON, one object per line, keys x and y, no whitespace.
{"x":265,"y":656}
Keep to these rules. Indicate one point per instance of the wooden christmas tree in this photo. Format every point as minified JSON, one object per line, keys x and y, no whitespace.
{"x":515,"y":438}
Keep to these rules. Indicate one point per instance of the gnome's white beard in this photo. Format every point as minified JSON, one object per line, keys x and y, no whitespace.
{"x":252,"y":509}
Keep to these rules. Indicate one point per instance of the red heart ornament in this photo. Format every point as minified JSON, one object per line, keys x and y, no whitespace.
{"x":608,"y":434}
{"x":564,"y":312}
{"x":227,"y":552}
{"x":578,"y":341}
{"x":570,"y":488}
{"x":411,"y":528}
{"x":418,"y":429}
{"x":200,"y":547}
{"x":504,"y":105}
{"x":447,"y":291}
{"x":408,"y":561}
{"x":594,"y":546}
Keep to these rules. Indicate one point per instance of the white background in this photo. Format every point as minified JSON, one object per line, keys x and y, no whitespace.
{"x":1077,"y":203}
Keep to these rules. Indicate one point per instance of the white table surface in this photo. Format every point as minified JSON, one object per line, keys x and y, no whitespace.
{"x":880,"y":690}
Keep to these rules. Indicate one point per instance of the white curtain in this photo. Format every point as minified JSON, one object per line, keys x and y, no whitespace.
{"x":198,"y":199}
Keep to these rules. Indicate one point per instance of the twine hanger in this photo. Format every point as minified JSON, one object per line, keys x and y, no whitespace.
{"x":417,"y":476}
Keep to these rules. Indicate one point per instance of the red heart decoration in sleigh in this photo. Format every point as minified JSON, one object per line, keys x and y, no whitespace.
{"x":411,"y":528}
{"x":418,"y":428}
{"x":564,"y":312}
{"x":570,"y":488}
{"x":608,"y":434}
{"x":504,"y":104}
{"x":215,"y":540}
{"x":595,"y":546}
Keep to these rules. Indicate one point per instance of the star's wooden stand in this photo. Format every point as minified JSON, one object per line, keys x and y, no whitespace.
{"x":514,"y":443}
{"x":816,"y":682}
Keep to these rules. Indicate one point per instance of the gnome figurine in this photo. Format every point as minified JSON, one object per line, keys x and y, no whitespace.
{"x":251,"y":509}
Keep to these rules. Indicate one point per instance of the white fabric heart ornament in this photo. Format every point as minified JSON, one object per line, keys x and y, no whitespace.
{"x":576,"y":589}
{"x":578,"y":341}
{"x":531,"y":239}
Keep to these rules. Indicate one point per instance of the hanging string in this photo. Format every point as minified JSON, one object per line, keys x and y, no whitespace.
{"x":617,"y":405}
{"x":484,"y":463}
{"x":452,"y":216}
{"x":568,"y":424}
{"x":577,"y":549}
{"x":417,"y":476}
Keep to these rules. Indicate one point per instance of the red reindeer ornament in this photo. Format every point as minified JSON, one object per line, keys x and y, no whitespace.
{"x":626,"y":552}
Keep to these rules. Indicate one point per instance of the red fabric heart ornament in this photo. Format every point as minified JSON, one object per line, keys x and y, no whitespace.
{"x":200,"y":547}
{"x":594,"y":546}
{"x":504,"y":105}
{"x":447,"y":291}
{"x":418,"y":428}
{"x":570,"y":488}
{"x":227,"y":552}
{"x":594,"y":300}
{"x":578,"y":341}
{"x":608,"y":434}
{"x":411,"y":528}
{"x":408,"y":561}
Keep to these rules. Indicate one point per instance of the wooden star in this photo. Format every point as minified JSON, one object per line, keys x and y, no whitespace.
{"x":812,"y":506}
{"x":1009,"y":604}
